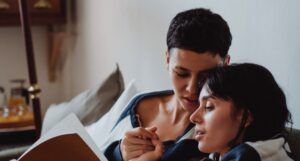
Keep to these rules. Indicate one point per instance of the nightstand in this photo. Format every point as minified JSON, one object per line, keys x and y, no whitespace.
{"x":13,"y":150}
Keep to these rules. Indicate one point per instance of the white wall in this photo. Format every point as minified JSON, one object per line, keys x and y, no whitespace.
{"x":133,"y":33}
{"x":13,"y":62}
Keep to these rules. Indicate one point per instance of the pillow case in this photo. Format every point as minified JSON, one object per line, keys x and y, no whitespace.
{"x":100,"y":130}
{"x":89,"y":105}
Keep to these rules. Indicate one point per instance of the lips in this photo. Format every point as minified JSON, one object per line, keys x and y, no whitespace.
{"x":199,"y":134}
{"x":191,"y":101}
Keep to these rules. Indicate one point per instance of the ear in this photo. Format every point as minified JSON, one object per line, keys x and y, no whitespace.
{"x":227,"y":60}
{"x":249,"y":119}
{"x":241,"y":114}
{"x":167,"y":55}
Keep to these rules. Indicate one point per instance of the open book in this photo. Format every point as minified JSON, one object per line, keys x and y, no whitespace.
{"x":68,"y":140}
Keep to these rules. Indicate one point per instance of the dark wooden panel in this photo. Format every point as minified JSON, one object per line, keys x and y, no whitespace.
{"x":55,"y":14}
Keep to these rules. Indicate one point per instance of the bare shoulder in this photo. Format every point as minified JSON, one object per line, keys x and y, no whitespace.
{"x":149,"y":104}
{"x":149,"y":107}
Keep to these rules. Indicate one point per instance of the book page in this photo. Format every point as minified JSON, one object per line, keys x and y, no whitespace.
{"x":70,"y":136}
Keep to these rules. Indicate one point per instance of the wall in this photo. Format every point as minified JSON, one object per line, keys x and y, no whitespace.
{"x":133,"y":32}
{"x":13,"y":62}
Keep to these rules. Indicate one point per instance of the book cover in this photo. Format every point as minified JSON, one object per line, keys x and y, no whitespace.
{"x":66,"y":141}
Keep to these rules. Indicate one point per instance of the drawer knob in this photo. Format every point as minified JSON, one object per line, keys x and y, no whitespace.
{"x":42,"y":4}
{"x":4,"y":5}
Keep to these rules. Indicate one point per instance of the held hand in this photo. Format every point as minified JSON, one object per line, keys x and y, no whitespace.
{"x":152,"y":155}
{"x":137,"y":142}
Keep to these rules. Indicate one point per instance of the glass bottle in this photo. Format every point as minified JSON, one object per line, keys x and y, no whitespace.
{"x":4,"y":111}
{"x":17,"y":102}
{"x":2,"y":97}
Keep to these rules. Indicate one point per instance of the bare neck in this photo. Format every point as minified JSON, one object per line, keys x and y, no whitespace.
{"x":176,"y":111}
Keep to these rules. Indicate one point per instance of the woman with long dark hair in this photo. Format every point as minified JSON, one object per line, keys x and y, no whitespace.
{"x":242,"y":115}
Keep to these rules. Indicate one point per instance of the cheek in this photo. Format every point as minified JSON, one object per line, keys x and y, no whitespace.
{"x":227,"y":129}
{"x":178,"y":83}
{"x":216,"y":123}
{"x":221,"y":130}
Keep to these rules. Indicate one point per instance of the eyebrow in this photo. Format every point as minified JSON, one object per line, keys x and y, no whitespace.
{"x":181,"y":68}
{"x":208,"y":97}
{"x":185,"y":69}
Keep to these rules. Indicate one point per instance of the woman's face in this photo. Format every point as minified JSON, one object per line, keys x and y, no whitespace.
{"x":184,"y":67}
{"x":217,"y":123}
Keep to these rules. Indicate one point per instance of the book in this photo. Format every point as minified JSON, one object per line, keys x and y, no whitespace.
{"x":67,"y":141}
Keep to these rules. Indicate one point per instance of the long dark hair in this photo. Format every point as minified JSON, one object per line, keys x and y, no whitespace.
{"x":251,"y":87}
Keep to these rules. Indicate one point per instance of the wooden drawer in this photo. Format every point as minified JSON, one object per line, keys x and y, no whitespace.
{"x":54,"y":13}
{"x":9,"y":6}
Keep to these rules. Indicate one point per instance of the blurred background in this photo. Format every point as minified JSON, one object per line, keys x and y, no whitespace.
{"x":99,"y":33}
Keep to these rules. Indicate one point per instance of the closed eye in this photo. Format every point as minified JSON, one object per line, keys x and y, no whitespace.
{"x":209,"y":108}
{"x":182,"y":74}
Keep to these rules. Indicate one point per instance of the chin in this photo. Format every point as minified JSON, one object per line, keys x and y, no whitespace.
{"x":204,"y":148}
{"x":189,"y":107}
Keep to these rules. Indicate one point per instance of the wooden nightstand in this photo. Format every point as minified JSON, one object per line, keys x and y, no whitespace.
{"x":13,"y":150}
{"x":17,"y":133}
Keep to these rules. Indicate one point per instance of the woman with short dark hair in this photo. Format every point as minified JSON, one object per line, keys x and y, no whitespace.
{"x":197,"y":40}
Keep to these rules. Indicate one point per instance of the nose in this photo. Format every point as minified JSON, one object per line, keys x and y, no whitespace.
{"x":192,"y":86}
{"x":196,"y":117}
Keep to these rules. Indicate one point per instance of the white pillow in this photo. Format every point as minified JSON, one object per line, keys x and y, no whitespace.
{"x":100,"y":130}
{"x":89,"y":105}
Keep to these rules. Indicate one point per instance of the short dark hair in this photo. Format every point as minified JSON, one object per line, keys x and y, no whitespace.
{"x":253,"y":88}
{"x":199,"y":30}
